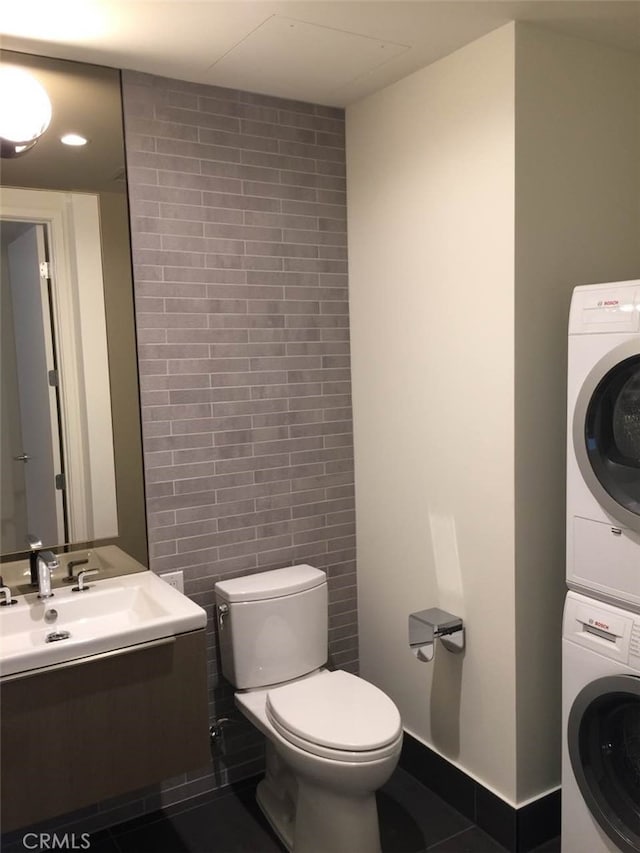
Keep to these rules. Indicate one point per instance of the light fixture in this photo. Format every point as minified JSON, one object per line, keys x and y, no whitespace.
{"x":74,"y":139}
{"x":25,"y":111}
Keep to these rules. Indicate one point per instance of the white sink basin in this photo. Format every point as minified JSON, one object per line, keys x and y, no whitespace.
{"x":114,"y":613}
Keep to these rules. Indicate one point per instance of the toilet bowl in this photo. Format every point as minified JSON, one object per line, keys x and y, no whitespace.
{"x":332,"y":738}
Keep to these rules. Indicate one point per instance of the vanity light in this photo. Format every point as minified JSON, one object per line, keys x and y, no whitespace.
{"x":25,"y":111}
{"x":74,"y":139}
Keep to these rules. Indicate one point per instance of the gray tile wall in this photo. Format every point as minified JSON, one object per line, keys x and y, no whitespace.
{"x":238,"y":213}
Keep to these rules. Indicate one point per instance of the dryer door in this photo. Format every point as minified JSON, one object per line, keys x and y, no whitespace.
{"x":606,"y":433}
{"x":603,"y":735}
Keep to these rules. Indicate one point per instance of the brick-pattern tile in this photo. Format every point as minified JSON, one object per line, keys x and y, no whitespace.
{"x":238,"y":214}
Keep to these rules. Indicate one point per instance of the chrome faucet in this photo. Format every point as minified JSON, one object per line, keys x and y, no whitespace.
{"x":46,"y":562}
{"x":41,"y":564}
{"x":34,"y":547}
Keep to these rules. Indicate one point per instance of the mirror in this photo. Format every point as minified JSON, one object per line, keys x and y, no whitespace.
{"x":71,"y":461}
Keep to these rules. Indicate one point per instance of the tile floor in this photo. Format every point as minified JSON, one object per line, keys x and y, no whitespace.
{"x":412,"y":820}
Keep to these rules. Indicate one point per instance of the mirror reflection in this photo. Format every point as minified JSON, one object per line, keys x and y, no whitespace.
{"x":70,"y":433}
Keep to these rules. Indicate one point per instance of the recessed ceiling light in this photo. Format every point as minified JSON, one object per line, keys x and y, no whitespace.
{"x":74,"y":139}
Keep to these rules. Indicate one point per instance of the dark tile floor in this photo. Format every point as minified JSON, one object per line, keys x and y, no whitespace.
{"x":412,"y":820}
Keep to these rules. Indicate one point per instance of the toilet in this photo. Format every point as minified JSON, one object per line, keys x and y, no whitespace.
{"x":332,"y":738}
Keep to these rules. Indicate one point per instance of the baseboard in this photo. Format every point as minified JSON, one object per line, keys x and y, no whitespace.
{"x":517,"y":829}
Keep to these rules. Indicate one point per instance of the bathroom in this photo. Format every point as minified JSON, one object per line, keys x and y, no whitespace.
{"x":496,"y":189}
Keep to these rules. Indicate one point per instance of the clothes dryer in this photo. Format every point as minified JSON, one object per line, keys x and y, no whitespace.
{"x":601,"y":727}
{"x":603,"y":433}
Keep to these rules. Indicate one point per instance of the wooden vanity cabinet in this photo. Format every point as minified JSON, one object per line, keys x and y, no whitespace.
{"x":81,"y":732}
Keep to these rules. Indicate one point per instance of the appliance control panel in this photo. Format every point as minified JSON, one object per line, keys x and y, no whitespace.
{"x":603,"y":628}
{"x":610,"y":307}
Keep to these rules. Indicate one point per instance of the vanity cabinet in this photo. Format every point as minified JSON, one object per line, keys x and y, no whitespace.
{"x":83,"y":731}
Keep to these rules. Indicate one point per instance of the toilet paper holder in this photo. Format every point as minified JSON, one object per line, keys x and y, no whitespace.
{"x":427,"y":626}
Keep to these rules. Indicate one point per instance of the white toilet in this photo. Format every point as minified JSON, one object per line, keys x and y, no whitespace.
{"x":332,"y":738}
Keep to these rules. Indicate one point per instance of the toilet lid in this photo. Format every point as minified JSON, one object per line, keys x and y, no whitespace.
{"x":337,"y":710}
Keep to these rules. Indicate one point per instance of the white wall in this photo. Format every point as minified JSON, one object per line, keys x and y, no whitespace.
{"x":431,"y":238}
{"x":481,"y":190}
{"x":577,"y":202}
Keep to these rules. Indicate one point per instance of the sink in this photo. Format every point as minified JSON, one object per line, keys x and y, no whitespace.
{"x":112,"y":614}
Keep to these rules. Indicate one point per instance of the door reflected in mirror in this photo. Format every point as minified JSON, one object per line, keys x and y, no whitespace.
{"x":70,"y":432}
{"x":32,"y":461}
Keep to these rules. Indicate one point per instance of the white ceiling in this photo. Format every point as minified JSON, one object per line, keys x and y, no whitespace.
{"x":332,"y":52}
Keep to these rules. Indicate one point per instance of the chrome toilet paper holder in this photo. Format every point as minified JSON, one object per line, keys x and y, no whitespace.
{"x":427,"y":626}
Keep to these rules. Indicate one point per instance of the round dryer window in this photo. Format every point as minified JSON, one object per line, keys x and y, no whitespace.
{"x":606,"y":433}
{"x":603,"y":736}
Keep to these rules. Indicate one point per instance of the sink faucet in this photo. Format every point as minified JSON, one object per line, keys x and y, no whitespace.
{"x":34,"y":546}
{"x":46,"y":562}
{"x":41,"y":564}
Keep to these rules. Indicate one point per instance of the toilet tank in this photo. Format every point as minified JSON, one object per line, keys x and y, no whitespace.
{"x":275,"y":627}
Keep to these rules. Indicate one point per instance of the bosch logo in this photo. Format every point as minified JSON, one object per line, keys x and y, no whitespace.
{"x":608,"y":303}
{"x":596,"y":624}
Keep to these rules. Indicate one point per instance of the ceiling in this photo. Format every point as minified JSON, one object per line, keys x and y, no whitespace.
{"x":333,"y":52}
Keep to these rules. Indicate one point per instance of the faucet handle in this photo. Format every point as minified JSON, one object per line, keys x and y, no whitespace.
{"x":82,"y":574}
{"x":33,"y":542}
{"x":6,"y":592}
{"x":70,"y":577}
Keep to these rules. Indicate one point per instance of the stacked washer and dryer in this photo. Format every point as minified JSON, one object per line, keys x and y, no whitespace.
{"x":601,"y":628}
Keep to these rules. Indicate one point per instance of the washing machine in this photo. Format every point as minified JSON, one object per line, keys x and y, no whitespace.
{"x":601,"y":727}
{"x":603,"y":436}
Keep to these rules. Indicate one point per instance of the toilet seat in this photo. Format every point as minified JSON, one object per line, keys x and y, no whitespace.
{"x":336,"y":715}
